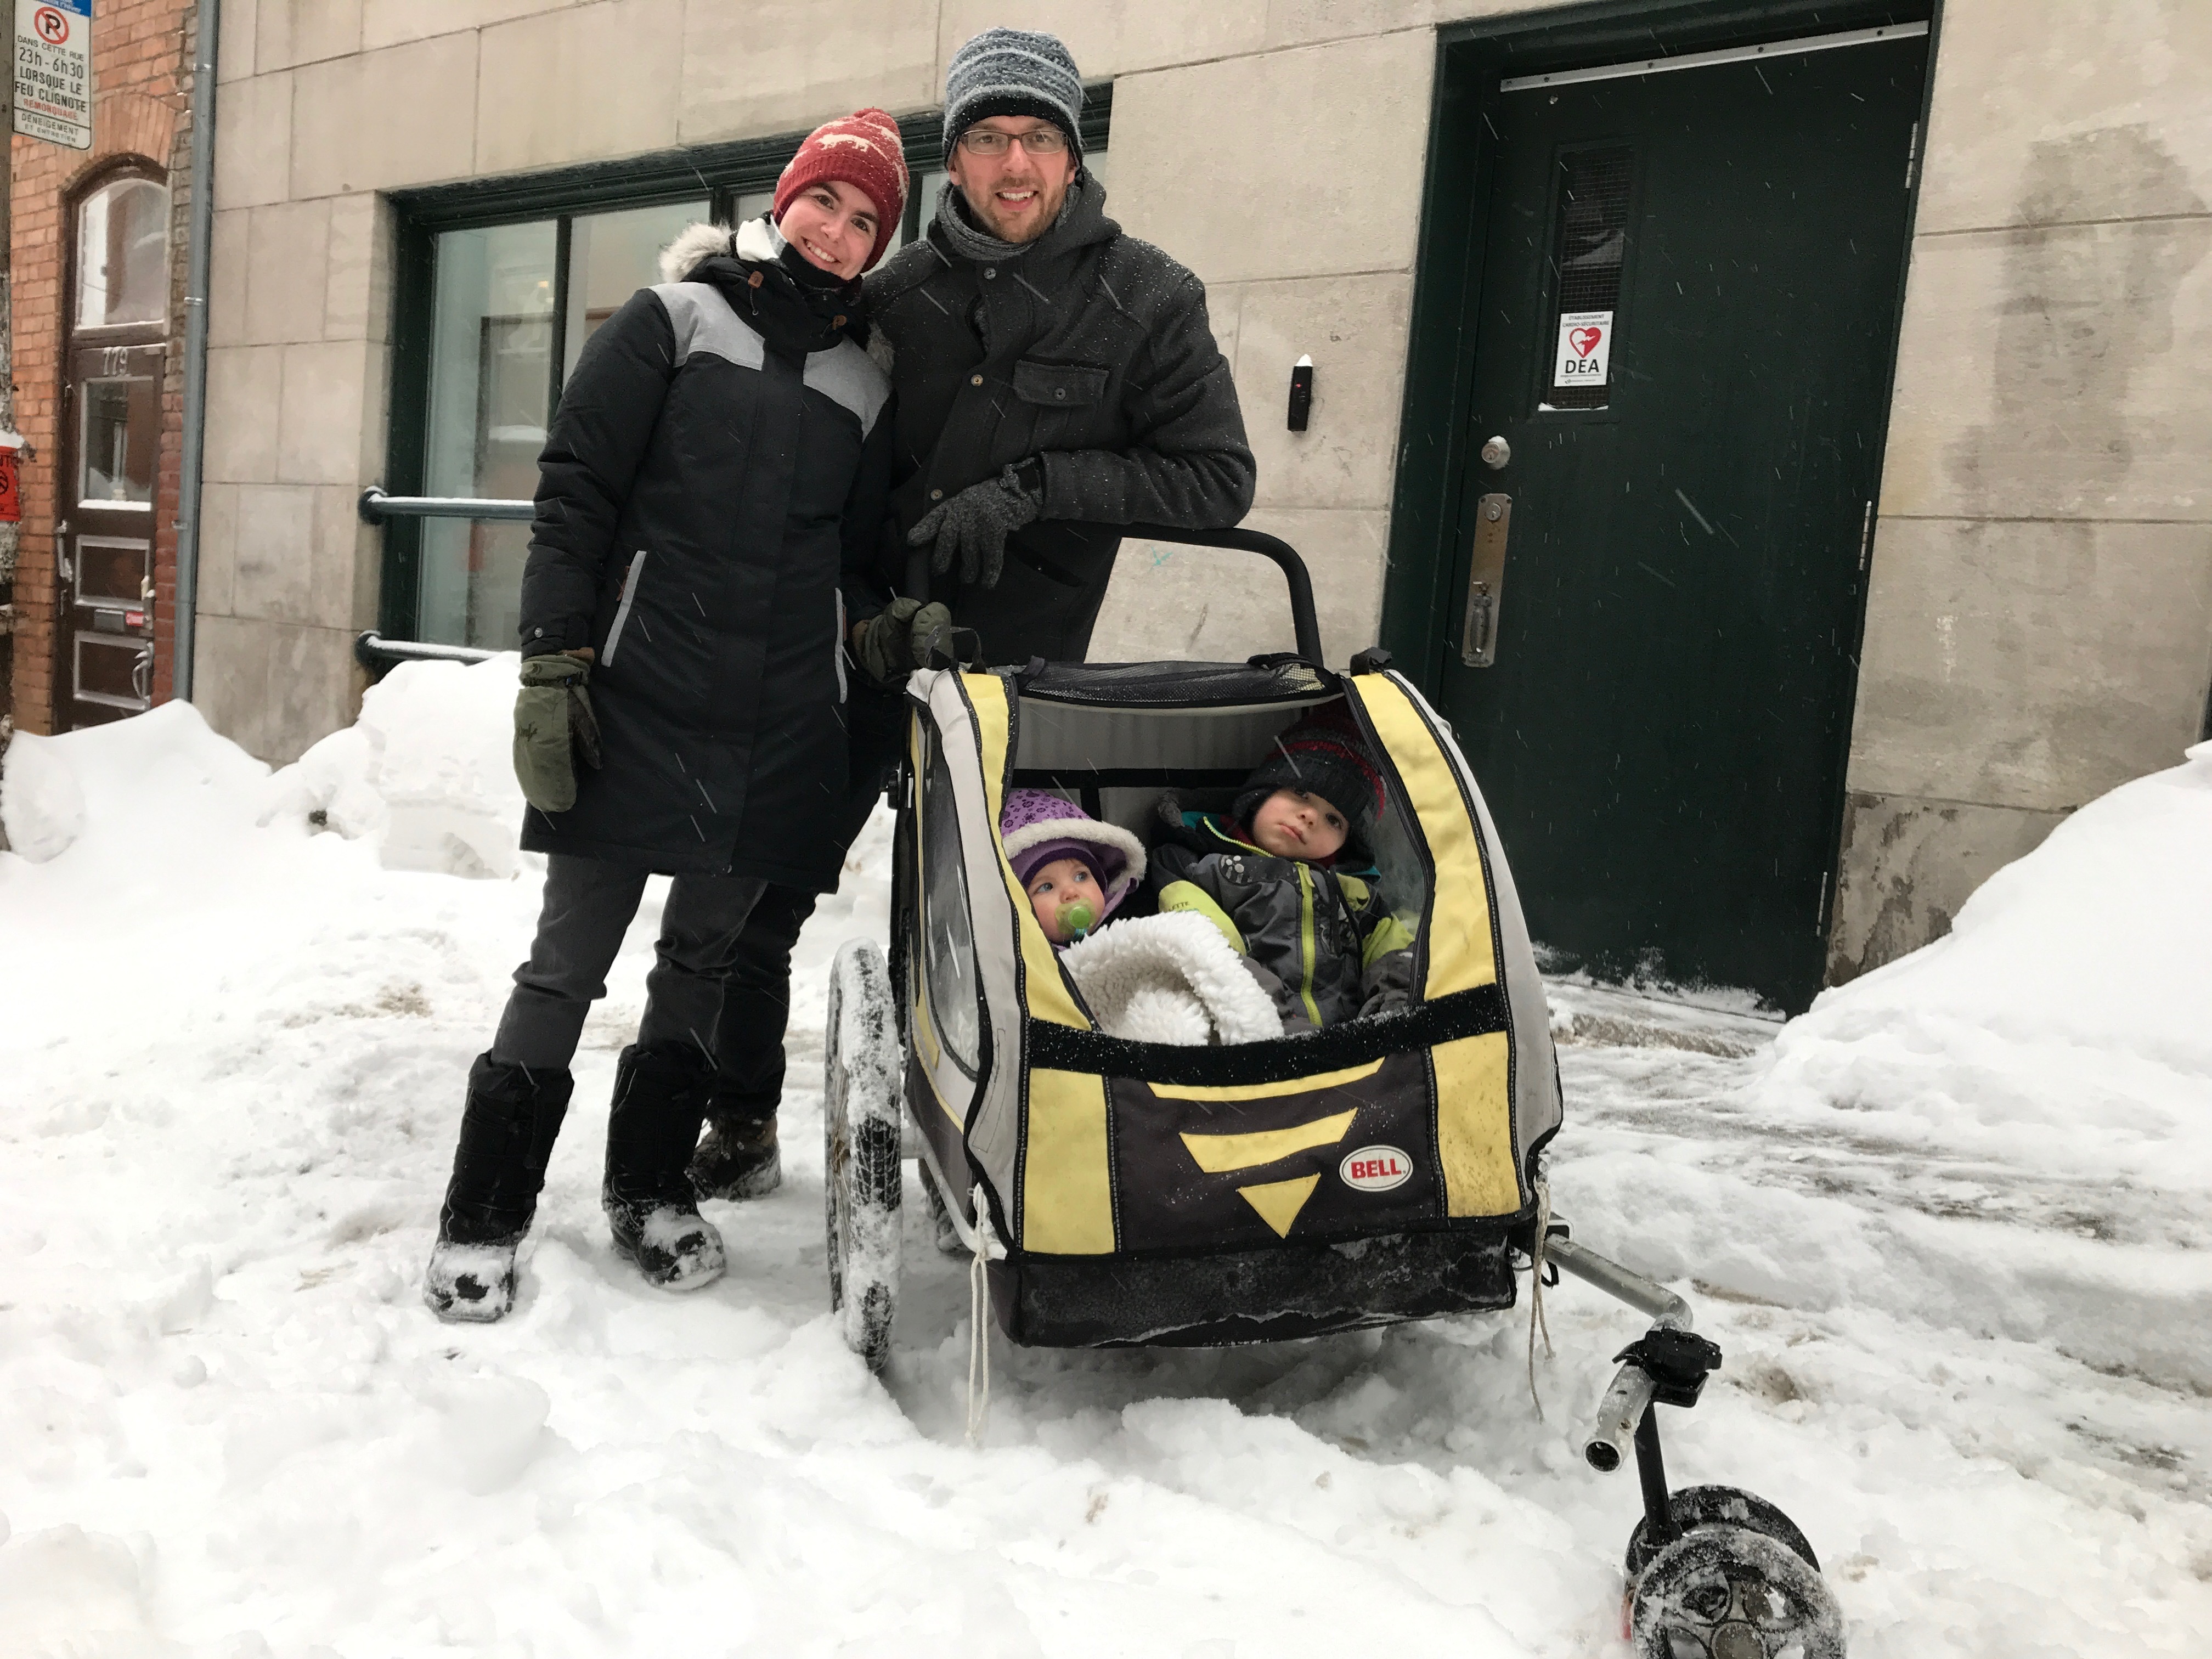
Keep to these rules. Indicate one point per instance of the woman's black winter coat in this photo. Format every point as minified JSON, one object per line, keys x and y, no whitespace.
{"x":711,"y":493}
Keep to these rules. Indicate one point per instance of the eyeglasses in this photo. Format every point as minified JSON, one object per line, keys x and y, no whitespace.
{"x":1037,"y":141}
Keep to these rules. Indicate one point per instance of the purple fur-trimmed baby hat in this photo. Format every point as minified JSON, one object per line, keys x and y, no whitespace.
{"x":1038,"y":828}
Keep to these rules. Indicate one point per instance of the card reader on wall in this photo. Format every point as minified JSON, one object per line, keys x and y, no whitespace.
{"x":1301,"y":393}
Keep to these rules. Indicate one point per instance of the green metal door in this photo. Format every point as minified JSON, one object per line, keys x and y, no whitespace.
{"x":1683,"y":331}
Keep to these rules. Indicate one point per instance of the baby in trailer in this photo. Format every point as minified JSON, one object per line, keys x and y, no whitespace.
{"x":1076,"y":870}
{"x":1286,"y":875}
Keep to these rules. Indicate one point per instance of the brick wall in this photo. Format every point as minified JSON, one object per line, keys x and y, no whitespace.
{"x":141,"y":76}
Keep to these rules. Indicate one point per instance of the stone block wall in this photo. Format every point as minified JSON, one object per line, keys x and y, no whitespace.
{"x":142,"y":62}
{"x":2039,"y":623}
{"x":1290,"y":180}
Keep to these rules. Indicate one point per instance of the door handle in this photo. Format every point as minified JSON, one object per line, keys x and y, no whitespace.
{"x":1485,"y":581}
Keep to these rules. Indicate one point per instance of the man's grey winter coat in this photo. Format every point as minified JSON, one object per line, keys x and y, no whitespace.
{"x":711,"y":490}
{"x":1089,"y":349}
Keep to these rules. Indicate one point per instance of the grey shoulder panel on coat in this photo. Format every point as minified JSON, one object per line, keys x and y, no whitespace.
{"x":847,"y":375}
{"x":703,"y":322}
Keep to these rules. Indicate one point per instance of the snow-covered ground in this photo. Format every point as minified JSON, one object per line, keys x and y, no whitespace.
{"x":1950,"y":1229}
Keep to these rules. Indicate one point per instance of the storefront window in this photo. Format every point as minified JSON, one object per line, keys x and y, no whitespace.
{"x":610,"y":257}
{"x":497,"y":330}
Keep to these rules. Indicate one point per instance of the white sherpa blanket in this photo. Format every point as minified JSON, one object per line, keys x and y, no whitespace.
{"x":1170,"y":979}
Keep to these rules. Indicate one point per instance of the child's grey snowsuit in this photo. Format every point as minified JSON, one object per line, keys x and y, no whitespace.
{"x":1327,"y":950}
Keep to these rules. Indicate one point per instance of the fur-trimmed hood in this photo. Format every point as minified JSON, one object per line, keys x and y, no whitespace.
{"x":1034,"y":819}
{"x":757,"y":239}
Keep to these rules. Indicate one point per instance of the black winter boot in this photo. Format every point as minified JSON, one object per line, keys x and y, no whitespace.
{"x":507,"y":1129}
{"x":660,"y":1100}
{"x":738,"y":1158}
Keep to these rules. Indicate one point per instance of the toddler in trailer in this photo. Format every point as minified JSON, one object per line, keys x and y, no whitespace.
{"x":1076,"y":870}
{"x":1279,"y":876}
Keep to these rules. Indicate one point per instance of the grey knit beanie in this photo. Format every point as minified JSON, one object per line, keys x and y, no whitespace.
{"x":1012,"y":72}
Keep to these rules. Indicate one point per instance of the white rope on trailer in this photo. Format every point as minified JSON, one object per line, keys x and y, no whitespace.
{"x":1536,"y":1320}
{"x":979,"y":1320}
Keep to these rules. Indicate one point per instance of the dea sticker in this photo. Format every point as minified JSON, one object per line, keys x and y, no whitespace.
{"x":1375,"y":1169}
{"x":1585,"y":348}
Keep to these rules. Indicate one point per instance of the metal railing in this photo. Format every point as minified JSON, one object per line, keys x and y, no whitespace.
{"x":376,"y":507}
{"x":377,"y":654}
{"x":370,"y":648}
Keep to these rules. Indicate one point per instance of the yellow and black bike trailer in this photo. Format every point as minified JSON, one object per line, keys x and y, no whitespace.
{"x":1117,"y":1193}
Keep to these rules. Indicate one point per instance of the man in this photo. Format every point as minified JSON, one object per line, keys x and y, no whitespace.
{"x":1052,"y":378}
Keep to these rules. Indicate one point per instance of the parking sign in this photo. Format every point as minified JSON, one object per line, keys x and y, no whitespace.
{"x":53,"y":71}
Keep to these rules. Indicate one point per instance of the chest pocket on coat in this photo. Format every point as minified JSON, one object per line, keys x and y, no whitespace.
{"x":1072,"y":389}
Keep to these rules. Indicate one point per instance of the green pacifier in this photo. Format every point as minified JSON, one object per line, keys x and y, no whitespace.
{"x":1076,"y":918}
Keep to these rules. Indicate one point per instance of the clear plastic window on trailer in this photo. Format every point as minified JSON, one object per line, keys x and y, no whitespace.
{"x":949,"y":943}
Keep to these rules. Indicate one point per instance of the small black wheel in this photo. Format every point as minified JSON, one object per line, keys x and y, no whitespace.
{"x":1719,"y":1506}
{"x":1726,"y":1592}
{"x":862,"y":1175}
{"x":947,"y":1237}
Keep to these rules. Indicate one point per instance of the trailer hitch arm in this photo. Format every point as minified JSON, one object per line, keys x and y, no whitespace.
{"x":1668,"y":1365}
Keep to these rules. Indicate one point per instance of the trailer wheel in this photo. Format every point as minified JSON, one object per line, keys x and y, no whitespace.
{"x":1719,"y":1506}
{"x":1723,"y":1592}
{"x":861,"y":1171}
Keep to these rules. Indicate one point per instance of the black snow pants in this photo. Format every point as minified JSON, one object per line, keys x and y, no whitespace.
{"x":748,"y":1058}
{"x":589,"y":905}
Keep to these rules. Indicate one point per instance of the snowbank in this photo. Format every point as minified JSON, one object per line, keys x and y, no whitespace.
{"x":2067,"y":1018}
{"x":155,"y":791}
{"x":2006,"y":1132}
{"x":427,"y":773}
{"x":42,"y":803}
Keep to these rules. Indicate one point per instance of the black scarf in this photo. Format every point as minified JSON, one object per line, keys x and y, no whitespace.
{"x":796,"y":307}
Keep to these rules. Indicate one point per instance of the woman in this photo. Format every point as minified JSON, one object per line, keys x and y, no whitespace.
{"x":710,"y":501}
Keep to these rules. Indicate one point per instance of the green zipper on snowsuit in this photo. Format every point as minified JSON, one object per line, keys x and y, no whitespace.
{"x":1306,"y":944}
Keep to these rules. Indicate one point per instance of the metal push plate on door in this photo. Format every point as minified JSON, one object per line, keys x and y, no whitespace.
{"x":1485,"y":581}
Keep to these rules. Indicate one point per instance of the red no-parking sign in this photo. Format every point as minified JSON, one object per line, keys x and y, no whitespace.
{"x":53,"y":71}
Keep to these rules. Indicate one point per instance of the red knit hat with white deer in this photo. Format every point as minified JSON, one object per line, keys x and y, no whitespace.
{"x":862,"y":149}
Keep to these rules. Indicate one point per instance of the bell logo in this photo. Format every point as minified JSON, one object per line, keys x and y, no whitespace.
{"x":1375,"y":1169}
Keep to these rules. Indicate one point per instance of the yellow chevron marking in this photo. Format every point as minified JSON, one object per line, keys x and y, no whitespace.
{"x":1232,"y":1092}
{"x":1216,"y":1154}
{"x":1279,"y":1201}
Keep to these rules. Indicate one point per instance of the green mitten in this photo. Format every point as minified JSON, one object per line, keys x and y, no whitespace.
{"x":553,"y":723}
{"x":896,"y":640}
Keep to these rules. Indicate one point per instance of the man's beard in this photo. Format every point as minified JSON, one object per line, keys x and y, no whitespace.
{"x":1018,"y":232}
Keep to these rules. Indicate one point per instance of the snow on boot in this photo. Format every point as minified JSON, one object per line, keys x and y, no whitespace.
{"x":471,"y":1284}
{"x":660,"y":1097}
{"x":738,"y":1159}
{"x":508,"y":1125}
{"x":674,"y":1246}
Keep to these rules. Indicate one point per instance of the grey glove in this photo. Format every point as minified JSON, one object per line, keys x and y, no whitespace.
{"x":553,"y":724}
{"x":975,"y":525}
{"x":896,"y":641}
